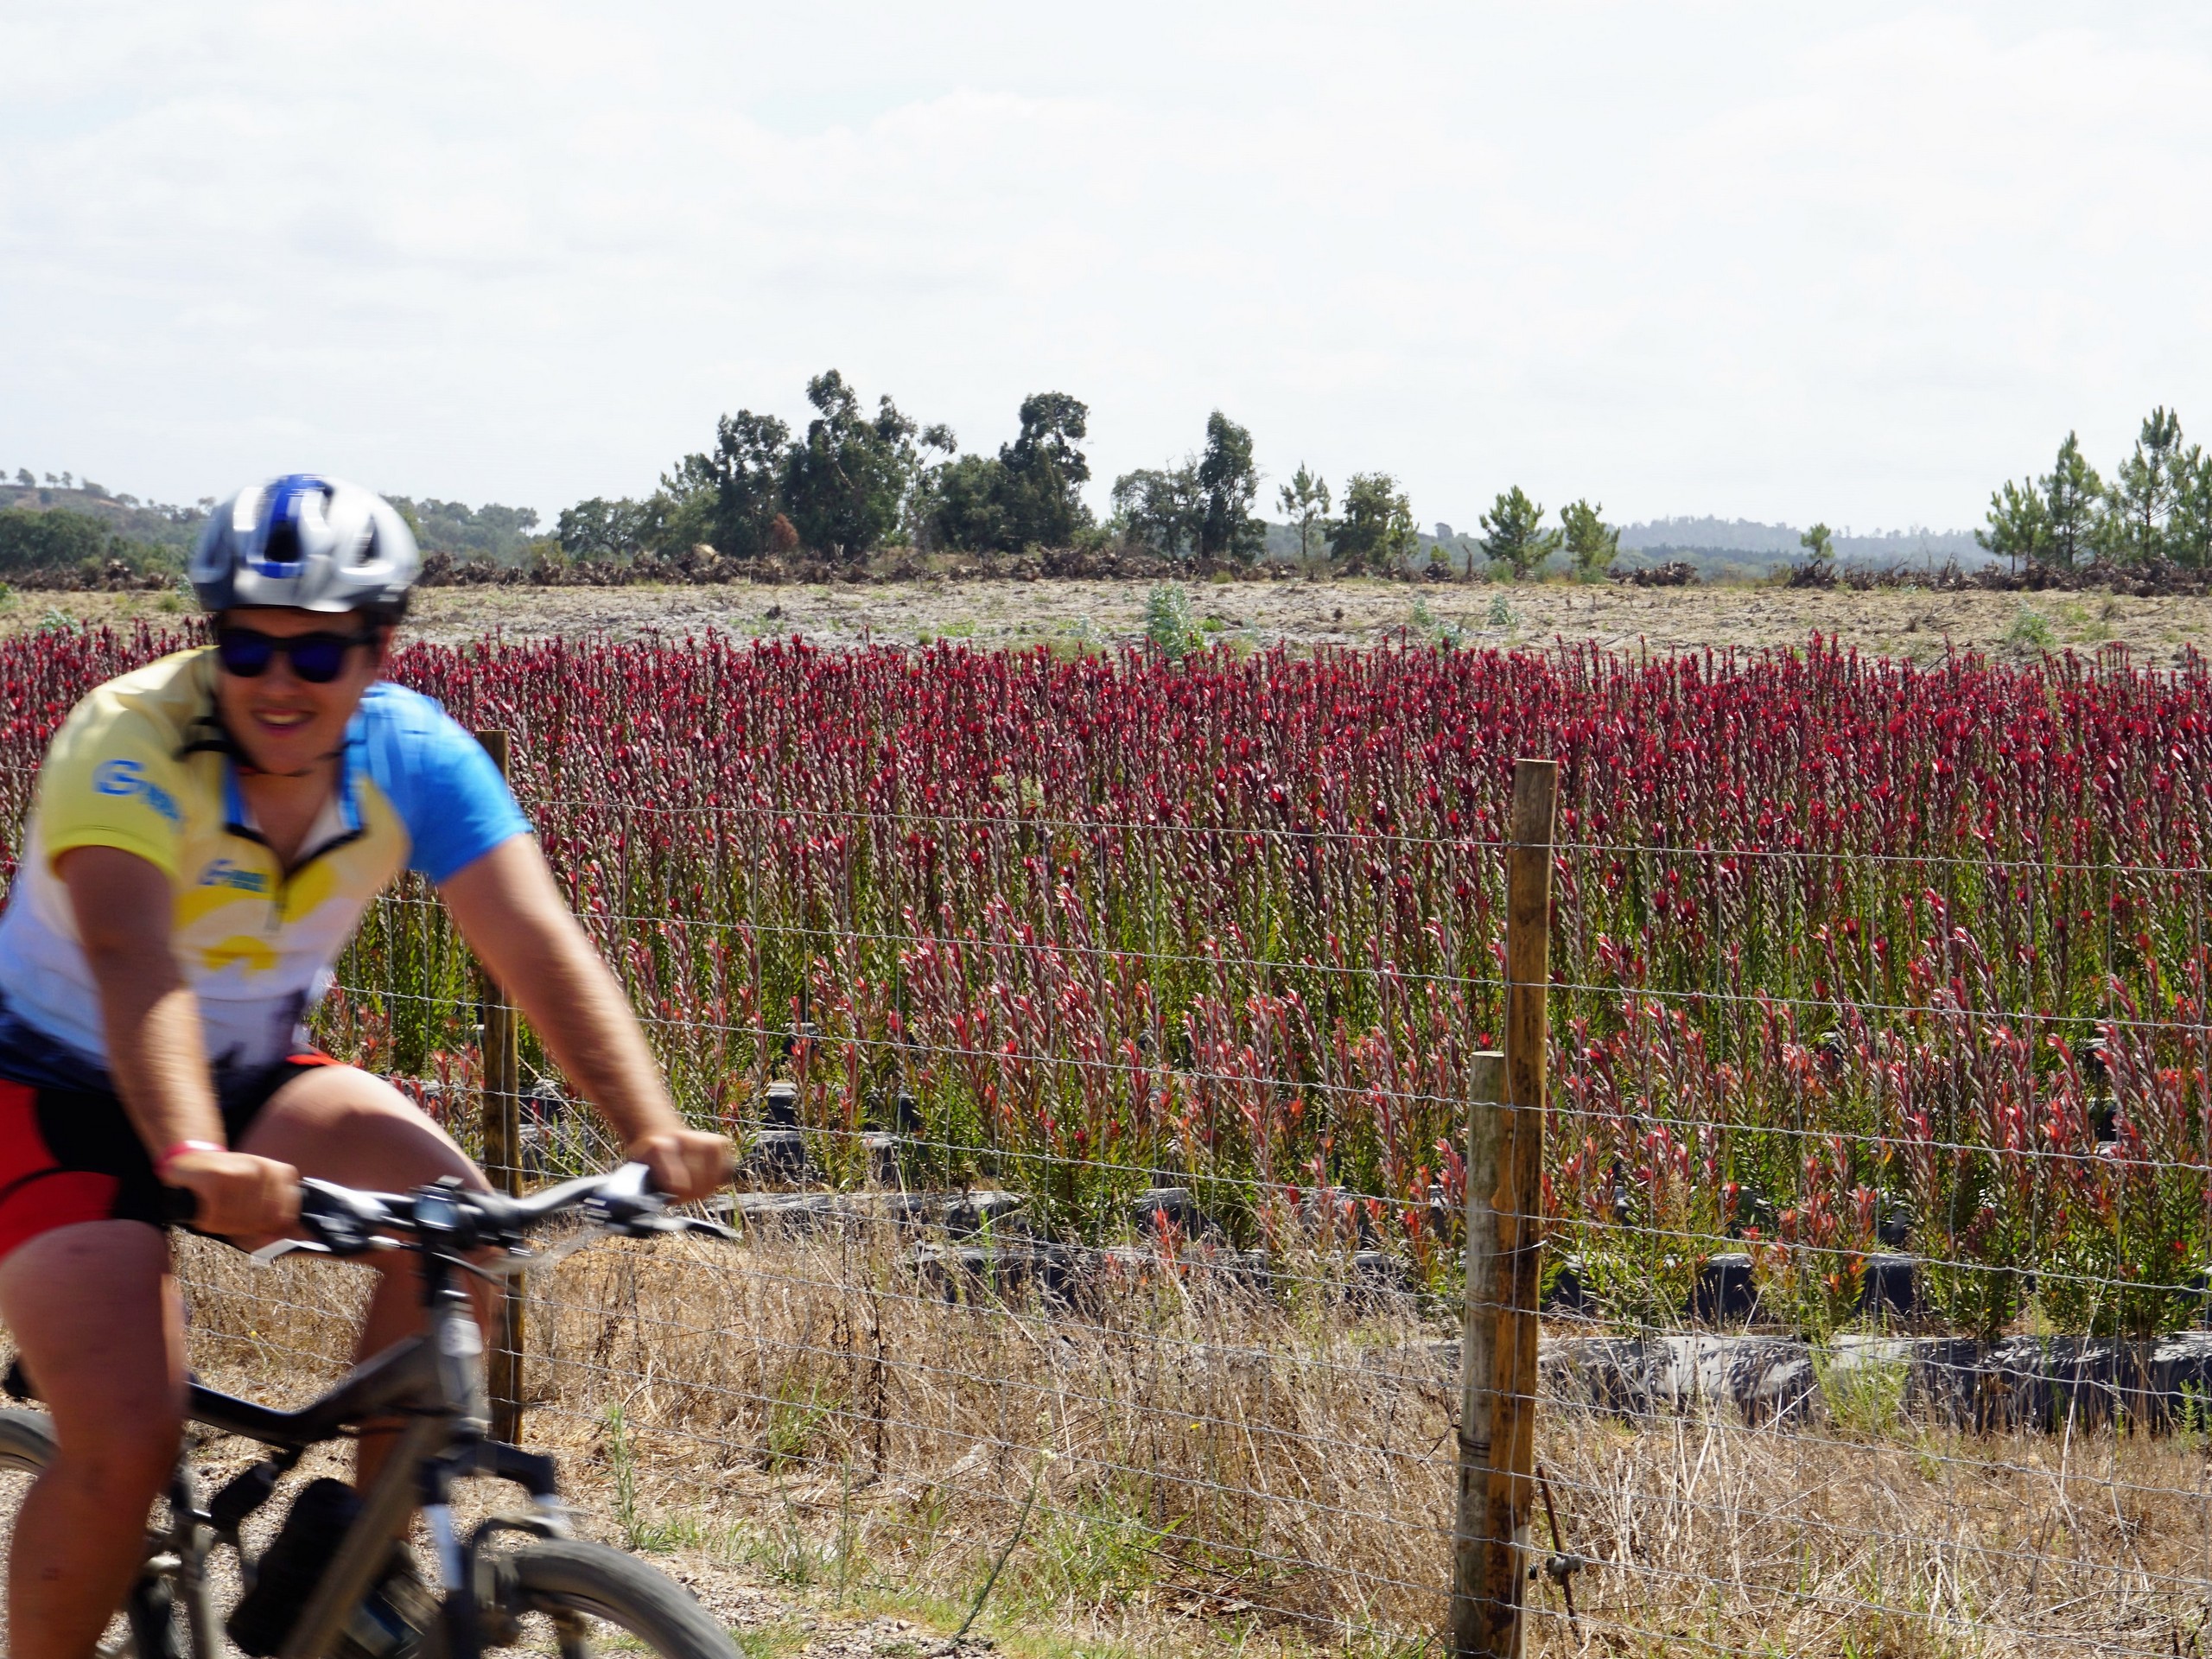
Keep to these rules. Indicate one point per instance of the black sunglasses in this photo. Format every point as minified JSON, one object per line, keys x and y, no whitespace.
{"x":318,"y":659}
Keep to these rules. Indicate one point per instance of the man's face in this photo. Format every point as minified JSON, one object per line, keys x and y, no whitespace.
{"x":286,"y":723}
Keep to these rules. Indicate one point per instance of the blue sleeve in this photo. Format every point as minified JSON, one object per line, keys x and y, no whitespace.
{"x":448,"y":795}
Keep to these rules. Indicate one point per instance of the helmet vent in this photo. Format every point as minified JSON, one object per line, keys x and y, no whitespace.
{"x":282,"y":546}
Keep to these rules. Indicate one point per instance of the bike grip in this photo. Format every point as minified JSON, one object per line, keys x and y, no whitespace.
{"x":178,"y":1206}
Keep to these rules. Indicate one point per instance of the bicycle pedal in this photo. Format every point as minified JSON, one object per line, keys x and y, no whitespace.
{"x":393,"y":1618}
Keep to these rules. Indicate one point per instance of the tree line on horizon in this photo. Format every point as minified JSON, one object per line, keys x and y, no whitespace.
{"x":61,"y":524}
{"x":856,"y":482}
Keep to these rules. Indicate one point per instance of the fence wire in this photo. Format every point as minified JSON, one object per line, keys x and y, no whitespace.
{"x":1875,"y":1310}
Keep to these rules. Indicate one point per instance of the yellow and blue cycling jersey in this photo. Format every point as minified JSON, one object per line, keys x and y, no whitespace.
{"x":142,"y":765}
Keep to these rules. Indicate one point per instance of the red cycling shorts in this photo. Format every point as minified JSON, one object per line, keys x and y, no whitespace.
{"x":71,"y":1154}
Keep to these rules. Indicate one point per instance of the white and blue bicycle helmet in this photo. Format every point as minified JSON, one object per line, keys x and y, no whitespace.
{"x":308,"y":544}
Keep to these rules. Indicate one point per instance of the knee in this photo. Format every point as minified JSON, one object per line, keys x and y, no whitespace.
{"x":344,"y":1125}
{"x":126,"y":1461}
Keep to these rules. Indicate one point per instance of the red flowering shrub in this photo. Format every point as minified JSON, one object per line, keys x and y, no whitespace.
{"x":1832,"y":934}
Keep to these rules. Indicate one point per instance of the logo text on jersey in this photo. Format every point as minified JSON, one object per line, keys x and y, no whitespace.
{"x":129,"y":778}
{"x":223,"y":874}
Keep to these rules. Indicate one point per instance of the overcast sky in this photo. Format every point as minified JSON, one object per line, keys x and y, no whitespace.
{"x":1745,"y":259}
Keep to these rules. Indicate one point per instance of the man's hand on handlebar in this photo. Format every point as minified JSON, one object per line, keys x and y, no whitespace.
{"x":238,"y":1195}
{"x":686,"y":1164}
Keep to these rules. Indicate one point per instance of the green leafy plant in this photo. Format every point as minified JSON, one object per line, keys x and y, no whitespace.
{"x":1169,"y":627}
{"x":2030,"y":630}
{"x":1864,"y":1392}
{"x":1442,"y":629}
{"x":625,"y":1466}
{"x":787,"y":1431}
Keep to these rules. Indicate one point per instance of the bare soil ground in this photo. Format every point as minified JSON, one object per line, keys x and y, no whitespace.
{"x":1902,"y":623}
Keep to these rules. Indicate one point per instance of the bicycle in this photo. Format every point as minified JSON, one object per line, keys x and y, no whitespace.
{"x":434,"y":1380}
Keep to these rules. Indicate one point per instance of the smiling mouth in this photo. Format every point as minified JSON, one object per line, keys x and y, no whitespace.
{"x":282,"y":720}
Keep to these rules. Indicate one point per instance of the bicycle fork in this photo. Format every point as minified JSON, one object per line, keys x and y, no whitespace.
{"x":453,"y":1413}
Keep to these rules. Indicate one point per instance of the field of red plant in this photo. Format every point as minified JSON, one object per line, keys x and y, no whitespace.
{"x":1847,"y":949}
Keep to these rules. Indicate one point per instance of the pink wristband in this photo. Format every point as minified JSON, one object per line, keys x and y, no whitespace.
{"x":162,"y":1164}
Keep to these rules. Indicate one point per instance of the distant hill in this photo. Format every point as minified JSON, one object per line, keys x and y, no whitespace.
{"x":503,"y":535}
{"x":163,"y":530}
{"x":1745,"y":541}
{"x":167,"y":532}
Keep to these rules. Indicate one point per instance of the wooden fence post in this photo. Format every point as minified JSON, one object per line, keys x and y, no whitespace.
{"x":1505,"y":1165}
{"x":501,"y":1123}
{"x":1478,"y":1325}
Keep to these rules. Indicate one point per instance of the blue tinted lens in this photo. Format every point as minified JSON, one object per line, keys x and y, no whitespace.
{"x":317,"y":658}
{"x":244,"y":652}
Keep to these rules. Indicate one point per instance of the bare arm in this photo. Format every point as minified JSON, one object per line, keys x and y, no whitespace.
{"x":510,"y":911}
{"x":157,"y":1052}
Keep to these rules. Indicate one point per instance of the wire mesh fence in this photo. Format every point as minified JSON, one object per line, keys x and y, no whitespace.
{"x":1103,"y":1045}
{"x":1870,"y":1324}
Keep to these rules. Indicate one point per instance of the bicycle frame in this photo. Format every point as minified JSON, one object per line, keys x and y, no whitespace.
{"x":434,"y":1380}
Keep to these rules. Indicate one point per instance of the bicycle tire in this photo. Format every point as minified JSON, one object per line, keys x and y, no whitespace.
{"x":27,"y":1439}
{"x":27,"y":1446}
{"x":570,"y":1576}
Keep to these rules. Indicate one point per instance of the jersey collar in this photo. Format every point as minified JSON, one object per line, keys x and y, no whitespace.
{"x":339,"y":821}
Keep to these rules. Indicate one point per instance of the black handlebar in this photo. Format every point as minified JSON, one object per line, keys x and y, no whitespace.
{"x":345,"y":1221}
{"x":350,"y":1221}
{"x":178,"y":1206}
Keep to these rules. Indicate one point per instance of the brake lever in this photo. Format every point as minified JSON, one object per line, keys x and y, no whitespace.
{"x":646,"y":1226}
{"x":516,"y":1263}
{"x":624,"y":1194}
{"x":721,"y":1230}
{"x":270,"y":1253}
{"x":284,"y":1247}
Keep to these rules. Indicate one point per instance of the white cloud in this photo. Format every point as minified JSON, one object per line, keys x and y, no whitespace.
{"x":1690,"y":257}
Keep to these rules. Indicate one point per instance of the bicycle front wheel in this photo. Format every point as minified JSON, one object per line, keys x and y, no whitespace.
{"x":147,"y":1628}
{"x":580,"y":1588}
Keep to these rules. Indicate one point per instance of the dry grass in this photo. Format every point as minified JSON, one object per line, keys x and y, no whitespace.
{"x":1213,"y":1467}
{"x":1199,"y":1453}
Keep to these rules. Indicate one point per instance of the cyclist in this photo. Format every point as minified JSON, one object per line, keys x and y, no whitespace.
{"x":205,"y":835}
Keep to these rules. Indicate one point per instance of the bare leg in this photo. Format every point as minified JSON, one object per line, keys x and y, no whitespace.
{"x":95,"y":1312}
{"x":343,"y":1125}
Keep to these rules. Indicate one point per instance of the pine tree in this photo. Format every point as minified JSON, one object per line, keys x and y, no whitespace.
{"x":2189,"y":532}
{"x":2019,"y":525}
{"x":1513,"y":531}
{"x":1591,"y":544}
{"x":1304,"y":503}
{"x":2141,"y":497}
{"x":2073,"y":499}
